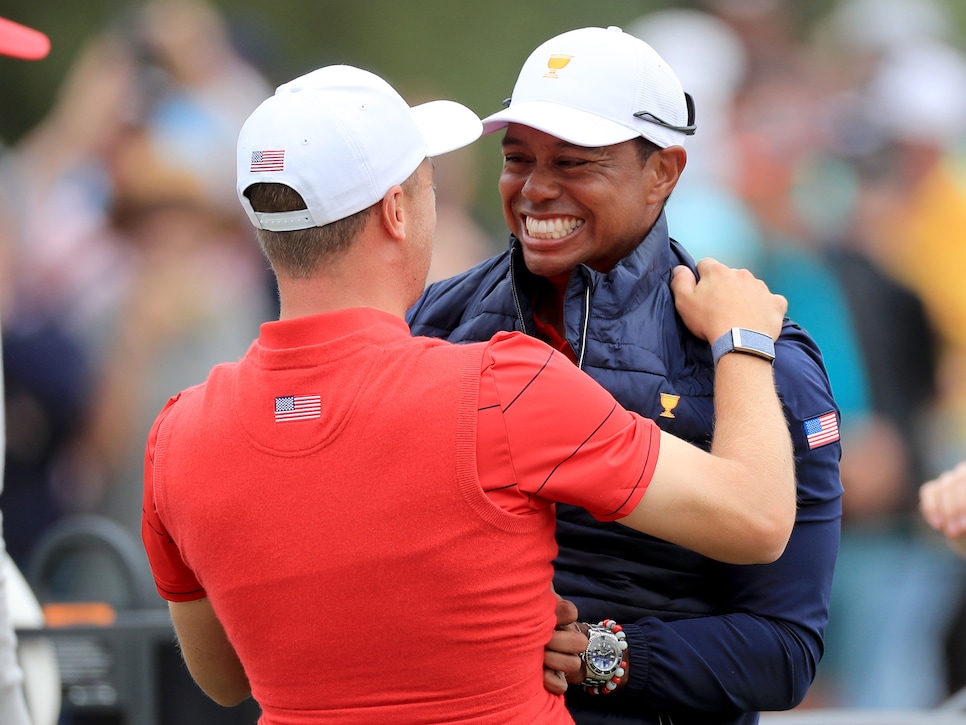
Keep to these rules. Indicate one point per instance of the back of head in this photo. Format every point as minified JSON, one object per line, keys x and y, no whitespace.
{"x":341,"y":137}
{"x":597,"y":87}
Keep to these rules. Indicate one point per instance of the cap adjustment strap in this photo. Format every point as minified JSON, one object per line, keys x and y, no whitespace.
{"x":284,"y":221}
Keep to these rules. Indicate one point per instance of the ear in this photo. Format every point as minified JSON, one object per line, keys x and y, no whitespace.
{"x":392,"y":212}
{"x":666,"y":165}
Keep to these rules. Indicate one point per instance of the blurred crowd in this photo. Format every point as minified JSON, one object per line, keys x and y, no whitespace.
{"x":829,"y":161}
{"x":127,"y":267}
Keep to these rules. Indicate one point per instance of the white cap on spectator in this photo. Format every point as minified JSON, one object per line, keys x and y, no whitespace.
{"x":341,"y":137}
{"x":918,"y":94}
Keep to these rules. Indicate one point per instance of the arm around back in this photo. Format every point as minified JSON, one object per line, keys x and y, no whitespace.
{"x":209,"y":655}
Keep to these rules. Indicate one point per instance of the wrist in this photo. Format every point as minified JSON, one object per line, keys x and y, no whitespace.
{"x":741,"y":340}
{"x":605,"y":660}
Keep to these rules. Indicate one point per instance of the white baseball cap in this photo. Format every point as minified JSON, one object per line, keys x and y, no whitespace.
{"x":341,"y":137}
{"x":597,"y":87}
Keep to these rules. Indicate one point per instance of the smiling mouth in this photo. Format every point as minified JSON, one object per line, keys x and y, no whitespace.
{"x":555,"y":228}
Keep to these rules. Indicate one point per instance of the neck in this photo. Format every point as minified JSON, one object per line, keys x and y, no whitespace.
{"x":350,"y":283}
{"x":548,"y":305}
{"x":299,"y":302}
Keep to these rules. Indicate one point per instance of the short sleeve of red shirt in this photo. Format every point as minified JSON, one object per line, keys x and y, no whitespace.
{"x":567,"y":439}
{"x":175,"y":582}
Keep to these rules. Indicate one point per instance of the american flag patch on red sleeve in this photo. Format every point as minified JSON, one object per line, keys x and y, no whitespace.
{"x":822,"y":430}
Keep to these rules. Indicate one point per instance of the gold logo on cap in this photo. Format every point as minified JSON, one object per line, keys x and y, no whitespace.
{"x":669,"y":402}
{"x":556,"y":62}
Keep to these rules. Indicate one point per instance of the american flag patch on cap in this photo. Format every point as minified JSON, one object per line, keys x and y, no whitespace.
{"x":297,"y":407}
{"x":271,"y":160}
{"x":822,"y":430}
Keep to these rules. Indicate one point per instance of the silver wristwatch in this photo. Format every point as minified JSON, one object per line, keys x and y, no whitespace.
{"x":604,"y":656}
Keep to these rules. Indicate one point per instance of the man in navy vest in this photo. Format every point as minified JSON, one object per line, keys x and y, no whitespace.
{"x":592,"y":145}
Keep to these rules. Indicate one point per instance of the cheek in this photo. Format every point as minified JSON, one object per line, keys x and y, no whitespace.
{"x":509,"y":187}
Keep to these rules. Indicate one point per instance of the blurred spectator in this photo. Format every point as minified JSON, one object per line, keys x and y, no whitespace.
{"x":61,"y":272}
{"x":892,"y":108}
{"x":807,"y":183}
{"x":942,"y":502}
{"x":20,"y":42}
{"x":892,"y":591}
{"x":777,"y":115}
{"x":711,"y":60}
{"x":131,"y":268}
{"x":920,"y":90}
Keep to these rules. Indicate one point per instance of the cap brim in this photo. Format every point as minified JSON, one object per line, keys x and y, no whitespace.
{"x":19,"y":41}
{"x":569,"y":124}
{"x":446,"y":126}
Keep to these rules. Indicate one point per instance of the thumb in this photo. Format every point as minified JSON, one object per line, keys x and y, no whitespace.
{"x":682,"y":280}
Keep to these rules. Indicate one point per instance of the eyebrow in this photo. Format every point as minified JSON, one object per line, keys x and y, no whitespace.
{"x":560,"y":144}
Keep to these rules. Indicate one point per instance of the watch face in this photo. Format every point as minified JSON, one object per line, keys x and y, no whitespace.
{"x":602,"y":656}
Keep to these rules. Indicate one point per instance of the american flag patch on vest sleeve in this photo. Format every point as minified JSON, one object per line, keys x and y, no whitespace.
{"x":822,"y":430}
{"x":297,"y":407}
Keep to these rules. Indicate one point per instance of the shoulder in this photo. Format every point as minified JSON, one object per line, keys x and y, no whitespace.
{"x":183,"y":405}
{"x":522,"y":363}
{"x":506,"y":348}
{"x":814,"y":419}
{"x":447,"y":303}
{"x":187,"y":408}
{"x":800,"y":369}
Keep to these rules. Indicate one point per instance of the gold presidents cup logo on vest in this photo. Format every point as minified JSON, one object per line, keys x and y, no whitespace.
{"x":556,"y":62}
{"x":669,"y":402}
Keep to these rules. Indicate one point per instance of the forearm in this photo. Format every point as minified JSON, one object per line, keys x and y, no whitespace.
{"x":739,"y":500}
{"x":751,"y":438}
{"x":723,"y":664}
{"x":209,"y":655}
{"x":735,"y":660}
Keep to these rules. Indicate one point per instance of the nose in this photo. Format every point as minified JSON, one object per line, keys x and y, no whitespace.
{"x":540,"y":184}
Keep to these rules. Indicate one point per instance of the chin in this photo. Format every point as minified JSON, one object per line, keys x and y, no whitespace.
{"x":546,"y":263}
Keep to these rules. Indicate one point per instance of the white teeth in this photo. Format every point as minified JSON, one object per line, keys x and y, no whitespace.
{"x":552,"y":228}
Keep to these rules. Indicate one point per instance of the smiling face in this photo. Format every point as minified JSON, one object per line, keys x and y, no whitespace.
{"x":570,"y":204}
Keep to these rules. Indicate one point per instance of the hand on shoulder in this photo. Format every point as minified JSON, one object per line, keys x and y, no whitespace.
{"x":723,"y":298}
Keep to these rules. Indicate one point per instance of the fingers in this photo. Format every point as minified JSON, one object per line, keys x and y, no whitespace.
{"x":561,"y":658}
{"x":682,"y":280}
{"x":566,"y":612}
{"x":554,"y":681}
{"x":942,"y":502}
{"x":566,"y":664}
{"x":723,"y":298}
